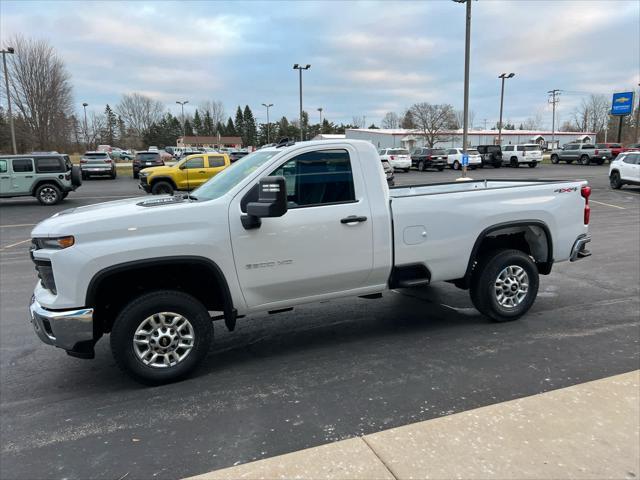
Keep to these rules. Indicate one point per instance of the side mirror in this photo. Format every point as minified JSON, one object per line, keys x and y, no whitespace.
{"x":272,"y":202}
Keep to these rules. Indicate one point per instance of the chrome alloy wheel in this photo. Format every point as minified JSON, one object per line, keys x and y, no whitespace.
{"x":48,"y":195}
{"x":511,"y":286}
{"x":163,"y":340}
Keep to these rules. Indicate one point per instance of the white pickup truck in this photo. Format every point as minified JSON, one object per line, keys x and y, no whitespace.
{"x":281,"y":227}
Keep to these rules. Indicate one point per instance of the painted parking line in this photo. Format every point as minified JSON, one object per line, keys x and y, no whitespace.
{"x":15,"y":244}
{"x":607,"y":204}
{"x":19,"y":225}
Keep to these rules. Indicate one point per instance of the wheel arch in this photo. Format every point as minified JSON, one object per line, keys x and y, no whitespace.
{"x":170,"y":180}
{"x":41,"y":181}
{"x":531,"y":236}
{"x":113,"y":287}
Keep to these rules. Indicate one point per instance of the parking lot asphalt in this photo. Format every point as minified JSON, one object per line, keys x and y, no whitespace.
{"x":320,"y":373}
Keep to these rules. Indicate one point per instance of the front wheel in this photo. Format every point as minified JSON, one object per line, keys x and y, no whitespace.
{"x":161,"y":336}
{"x":162,"y":188}
{"x":584,"y":160}
{"x":504,"y":285}
{"x":533,"y":164}
{"x":615,"y":181}
{"x":514,"y":162}
{"x":555,"y":159}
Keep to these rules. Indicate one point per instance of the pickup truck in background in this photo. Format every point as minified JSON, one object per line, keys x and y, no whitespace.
{"x":583,"y":153}
{"x":285,"y":226}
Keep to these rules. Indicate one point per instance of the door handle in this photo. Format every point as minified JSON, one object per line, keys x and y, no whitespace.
{"x":353,"y":219}
{"x":28,"y":176}
{"x":202,"y":171}
{"x":4,"y":177}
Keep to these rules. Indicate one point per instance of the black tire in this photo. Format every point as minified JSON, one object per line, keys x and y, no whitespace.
{"x":533,"y":164}
{"x":440,"y":169}
{"x":584,"y":160}
{"x":132,"y":317}
{"x":136,"y":175}
{"x":514,"y":162}
{"x":421,"y":167}
{"x":555,"y":159}
{"x":114,"y":174}
{"x":84,"y":176}
{"x":76,"y":176}
{"x":485,"y":276}
{"x":162,"y":188}
{"x":614,"y":180}
{"x":48,"y":194}
{"x":456,"y":165}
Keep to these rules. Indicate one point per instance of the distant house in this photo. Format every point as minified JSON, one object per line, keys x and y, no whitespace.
{"x":213,"y":142}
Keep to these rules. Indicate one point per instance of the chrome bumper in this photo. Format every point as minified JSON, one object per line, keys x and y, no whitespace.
{"x":579,"y":249}
{"x":64,"y":329}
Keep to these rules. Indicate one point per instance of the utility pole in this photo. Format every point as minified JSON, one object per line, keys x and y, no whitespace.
{"x":502,"y":76}
{"x":268,"y":124}
{"x":554,"y":98}
{"x":300,"y":68}
{"x":10,"y":51}
{"x":184,"y":131}
{"x":86,"y":130}
{"x":320,"y":110}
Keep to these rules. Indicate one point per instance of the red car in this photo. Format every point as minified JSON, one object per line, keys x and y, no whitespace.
{"x":615,"y":148}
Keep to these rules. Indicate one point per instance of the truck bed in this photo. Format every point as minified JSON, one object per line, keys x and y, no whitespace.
{"x":437,"y":225}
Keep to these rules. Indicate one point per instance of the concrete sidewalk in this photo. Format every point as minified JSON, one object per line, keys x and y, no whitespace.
{"x":585,"y":431}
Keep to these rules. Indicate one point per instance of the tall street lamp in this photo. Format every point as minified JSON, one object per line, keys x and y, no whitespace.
{"x":465,"y":130}
{"x":9,"y":51}
{"x":502,"y":76}
{"x":184,"y":132}
{"x":268,"y":105}
{"x":86,"y":130}
{"x":320,"y":110}
{"x":300,"y":68}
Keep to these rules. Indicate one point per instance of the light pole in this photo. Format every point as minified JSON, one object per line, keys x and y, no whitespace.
{"x":184,"y":132}
{"x":465,"y":129}
{"x":300,"y":68}
{"x":268,"y":105}
{"x":320,"y":110}
{"x":86,"y":129}
{"x":503,"y":76}
{"x":9,"y":51}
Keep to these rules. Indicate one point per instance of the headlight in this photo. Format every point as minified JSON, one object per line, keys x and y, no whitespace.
{"x":53,"y":243}
{"x":143,"y":173}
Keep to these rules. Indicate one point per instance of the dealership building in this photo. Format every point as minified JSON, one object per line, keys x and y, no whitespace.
{"x":409,"y":139}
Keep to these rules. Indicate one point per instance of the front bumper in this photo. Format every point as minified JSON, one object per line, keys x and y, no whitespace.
{"x":579,"y":250}
{"x":71,"y":330}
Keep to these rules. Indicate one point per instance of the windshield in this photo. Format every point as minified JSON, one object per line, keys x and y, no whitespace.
{"x":147,"y":156}
{"x":397,"y":151}
{"x":232,"y":175}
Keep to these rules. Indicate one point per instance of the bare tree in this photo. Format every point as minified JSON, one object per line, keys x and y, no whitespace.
{"x":433,"y":120}
{"x":215,"y":109}
{"x":592,"y":115}
{"x":358,"y":121}
{"x":459,"y":119}
{"x":533,"y":123}
{"x":390,"y":120}
{"x":96,"y":127}
{"x":139,"y":112}
{"x":41,"y":90}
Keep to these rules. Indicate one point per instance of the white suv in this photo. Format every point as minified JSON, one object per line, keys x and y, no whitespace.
{"x":399,"y":158}
{"x":454,"y":158}
{"x":528,"y":153}
{"x":625,"y":170}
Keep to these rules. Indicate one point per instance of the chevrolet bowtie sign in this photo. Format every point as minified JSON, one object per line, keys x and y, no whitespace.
{"x":622,"y":103}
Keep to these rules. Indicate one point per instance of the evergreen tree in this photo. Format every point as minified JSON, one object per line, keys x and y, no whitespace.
{"x":239,"y":123}
{"x":305,"y":125}
{"x":219,"y":130}
{"x":111,"y":124}
{"x":197,"y":124}
{"x":188,"y":129}
{"x":207,"y":124}
{"x":230,"y":130}
{"x":122,"y":132}
{"x":249,"y":127}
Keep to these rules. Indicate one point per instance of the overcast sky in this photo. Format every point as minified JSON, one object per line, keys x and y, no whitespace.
{"x":367,"y":57}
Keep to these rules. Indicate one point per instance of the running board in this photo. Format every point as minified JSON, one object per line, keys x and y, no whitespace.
{"x":418,"y":282}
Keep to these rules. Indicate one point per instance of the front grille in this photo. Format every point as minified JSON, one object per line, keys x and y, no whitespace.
{"x":143,"y":180}
{"x":45,"y":274}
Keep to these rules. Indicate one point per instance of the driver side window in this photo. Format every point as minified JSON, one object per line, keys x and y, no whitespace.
{"x":196,"y":162}
{"x":318,"y":178}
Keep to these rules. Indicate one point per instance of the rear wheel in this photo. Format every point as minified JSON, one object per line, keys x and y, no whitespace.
{"x":584,"y":160}
{"x":48,"y":194}
{"x":504,"y":285}
{"x":555,"y":159}
{"x":615,"y":181}
{"x":161,"y":336}
{"x":533,"y":164}
{"x":440,"y":168}
{"x":162,"y":188}
{"x":514,"y":162}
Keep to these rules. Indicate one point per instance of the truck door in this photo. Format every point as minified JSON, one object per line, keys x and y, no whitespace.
{"x":22,"y":175}
{"x":5,"y":178}
{"x":321,"y":245}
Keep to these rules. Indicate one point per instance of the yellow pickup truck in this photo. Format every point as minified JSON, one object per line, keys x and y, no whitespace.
{"x":187,"y":174}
